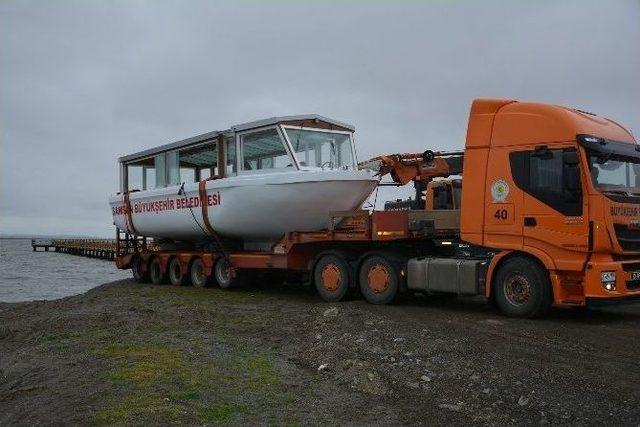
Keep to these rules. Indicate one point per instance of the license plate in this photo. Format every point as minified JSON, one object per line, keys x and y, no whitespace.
{"x":635,"y":275}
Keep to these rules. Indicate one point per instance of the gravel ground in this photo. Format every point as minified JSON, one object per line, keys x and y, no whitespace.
{"x":125,"y":353}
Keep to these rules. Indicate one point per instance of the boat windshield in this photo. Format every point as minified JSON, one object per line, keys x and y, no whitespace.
{"x":322,"y":149}
{"x":616,"y":174}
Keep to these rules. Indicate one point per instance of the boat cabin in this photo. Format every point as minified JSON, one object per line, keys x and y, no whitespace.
{"x":270,"y":145}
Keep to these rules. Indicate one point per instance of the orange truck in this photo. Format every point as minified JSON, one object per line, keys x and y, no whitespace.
{"x":547,"y":213}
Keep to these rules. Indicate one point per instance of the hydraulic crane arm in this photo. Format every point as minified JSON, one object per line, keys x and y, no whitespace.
{"x":417,"y":167}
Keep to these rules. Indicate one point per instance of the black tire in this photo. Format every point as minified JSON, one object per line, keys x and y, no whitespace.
{"x":223,"y":276}
{"x":140,"y":275}
{"x":198,"y":277}
{"x":522,"y":288}
{"x":177,"y":275}
{"x":155,"y":272}
{"x":379,"y":279}
{"x":332,"y":277}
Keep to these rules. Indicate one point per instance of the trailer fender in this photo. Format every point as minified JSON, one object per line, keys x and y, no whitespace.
{"x":535,"y":254}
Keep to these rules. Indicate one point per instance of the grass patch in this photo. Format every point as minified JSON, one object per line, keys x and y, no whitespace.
{"x":174,"y":371}
{"x":258,"y":372}
{"x":219,"y":413}
{"x":145,"y":364}
{"x":156,"y":381}
{"x":135,"y":409}
{"x":158,"y":385}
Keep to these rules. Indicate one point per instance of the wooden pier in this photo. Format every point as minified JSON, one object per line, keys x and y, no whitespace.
{"x":92,"y":248}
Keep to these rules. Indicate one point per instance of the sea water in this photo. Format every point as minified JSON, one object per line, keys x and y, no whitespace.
{"x":26,"y":275}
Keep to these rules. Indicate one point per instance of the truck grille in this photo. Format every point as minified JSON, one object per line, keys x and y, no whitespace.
{"x":628,"y":238}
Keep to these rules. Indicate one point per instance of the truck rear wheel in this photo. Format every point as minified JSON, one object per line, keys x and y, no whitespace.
{"x":137,"y":267}
{"x":522,"y":288}
{"x":331,"y":277}
{"x":224,"y":276}
{"x":198,"y":277}
{"x":177,"y":275}
{"x":378,"y":279}
{"x":155,"y":272}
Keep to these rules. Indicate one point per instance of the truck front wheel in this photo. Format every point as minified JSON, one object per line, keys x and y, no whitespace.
{"x":522,"y":288}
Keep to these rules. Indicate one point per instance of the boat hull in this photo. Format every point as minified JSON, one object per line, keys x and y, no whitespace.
{"x":258,"y":208}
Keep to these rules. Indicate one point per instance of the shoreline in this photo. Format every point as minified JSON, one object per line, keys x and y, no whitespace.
{"x":139,"y":354}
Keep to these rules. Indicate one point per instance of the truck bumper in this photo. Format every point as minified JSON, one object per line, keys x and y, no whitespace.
{"x":605,"y":302}
{"x":627,"y":281}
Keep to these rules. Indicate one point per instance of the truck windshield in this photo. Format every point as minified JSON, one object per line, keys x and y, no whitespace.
{"x":615,"y":174}
{"x":321,"y":149}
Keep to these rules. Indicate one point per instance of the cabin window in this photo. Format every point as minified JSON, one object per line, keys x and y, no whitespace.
{"x":160,"y":170}
{"x":189,"y":164}
{"x":173,"y":168}
{"x":138,"y":173}
{"x":321,"y":149}
{"x":199,"y":162}
{"x":550,"y":176}
{"x":264,"y":150}
{"x":149,"y":178}
{"x":134,"y":177}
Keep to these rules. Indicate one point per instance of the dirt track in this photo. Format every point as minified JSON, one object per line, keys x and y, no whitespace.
{"x":131,"y":354}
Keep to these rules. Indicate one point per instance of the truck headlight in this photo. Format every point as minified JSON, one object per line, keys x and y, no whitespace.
{"x":608,"y":280}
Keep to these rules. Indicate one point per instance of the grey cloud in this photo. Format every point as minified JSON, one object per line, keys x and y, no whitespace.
{"x":85,"y":82}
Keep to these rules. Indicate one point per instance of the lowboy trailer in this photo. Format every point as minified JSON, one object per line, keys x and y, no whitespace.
{"x":549,"y":214}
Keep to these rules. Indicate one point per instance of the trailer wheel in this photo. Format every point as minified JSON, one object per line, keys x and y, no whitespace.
{"x":522,"y":288}
{"x":155,"y":272}
{"x":198,"y":277}
{"x":379,"y":279}
{"x":331,"y":277}
{"x":223,"y":276}
{"x":137,"y":266}
{"x":177,"y":275}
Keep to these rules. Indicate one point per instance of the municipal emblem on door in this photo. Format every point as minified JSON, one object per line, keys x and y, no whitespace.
{"x":499,"y":190}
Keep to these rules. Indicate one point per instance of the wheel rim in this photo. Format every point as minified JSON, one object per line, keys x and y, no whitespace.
{"x":135,"y":268}
{"x":224,"y":272}
{"x":155,"y":271}
{"x":517,"y":289}
{"x":198,"y":273}
{"x":331,"y":277}
{"x":378,"y":278}
{"x":176,"y":272}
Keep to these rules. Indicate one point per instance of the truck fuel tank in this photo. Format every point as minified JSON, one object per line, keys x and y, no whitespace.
{"x":453,"y":275}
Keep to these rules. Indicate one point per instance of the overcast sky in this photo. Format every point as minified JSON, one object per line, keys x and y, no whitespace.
{"x":83,"y":82}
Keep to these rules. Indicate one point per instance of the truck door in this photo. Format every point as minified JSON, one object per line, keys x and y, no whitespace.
{"x":504,"y":204}
{"x":554,"y":207}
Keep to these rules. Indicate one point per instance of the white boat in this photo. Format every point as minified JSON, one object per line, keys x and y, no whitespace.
{"x":277,"y":175}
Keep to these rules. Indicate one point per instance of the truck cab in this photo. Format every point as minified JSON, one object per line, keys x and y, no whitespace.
{"x":556,"y":193}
